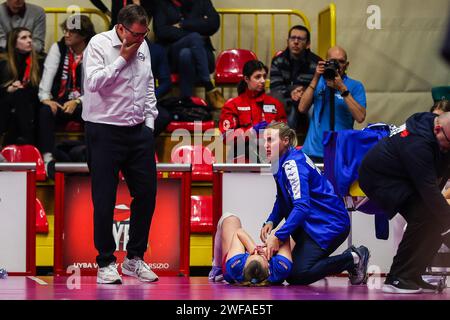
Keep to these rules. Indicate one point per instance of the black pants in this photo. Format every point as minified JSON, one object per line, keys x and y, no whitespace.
{"x":312,"y":263}
{"x":48,"y":122}
{"x":420,"y":242}
{"x":193,"y":60}
{"x":131,"y":150}
{"x":17,"y":117}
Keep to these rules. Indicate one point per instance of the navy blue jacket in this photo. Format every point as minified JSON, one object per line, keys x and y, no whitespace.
{"x":406,"y":166}
{"x":193,"y":16}
{"x":306,"y":199}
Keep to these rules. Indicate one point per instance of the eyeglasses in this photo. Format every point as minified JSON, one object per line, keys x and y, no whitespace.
{"x":299,"y":39}
{"x":136,"y":34}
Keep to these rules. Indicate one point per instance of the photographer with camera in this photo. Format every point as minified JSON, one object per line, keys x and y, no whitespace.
{"x":331,"y":80}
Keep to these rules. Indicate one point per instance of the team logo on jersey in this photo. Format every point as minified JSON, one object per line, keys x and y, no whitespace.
{"x":243,"y":108}
{"x":270,"y":108}
{"x":226,"y":124}
{"x":291,"y":170}
{"x":141,"y":56}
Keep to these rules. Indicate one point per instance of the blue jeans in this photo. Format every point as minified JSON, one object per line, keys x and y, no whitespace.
{"x":193,"y":61}
{"x":312,"y":263}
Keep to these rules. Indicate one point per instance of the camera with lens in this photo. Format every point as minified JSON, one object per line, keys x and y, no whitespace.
{"x":331,"y":69}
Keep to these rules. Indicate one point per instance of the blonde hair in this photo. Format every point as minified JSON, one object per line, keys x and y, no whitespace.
{"x":10,"y":57}
{"x":284,"y":131}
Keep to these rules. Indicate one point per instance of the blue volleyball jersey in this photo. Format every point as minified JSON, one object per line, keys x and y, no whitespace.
{"x":306,"y":199}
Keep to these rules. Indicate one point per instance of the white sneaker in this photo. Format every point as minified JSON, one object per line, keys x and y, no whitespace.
{"x":137,"y":268}
{"x":109,"y":275}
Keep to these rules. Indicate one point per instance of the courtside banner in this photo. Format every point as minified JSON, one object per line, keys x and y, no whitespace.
{"x":168,"y":245}
{"x":18,"y":218}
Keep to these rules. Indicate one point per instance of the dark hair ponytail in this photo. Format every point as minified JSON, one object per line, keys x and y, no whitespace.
{"x":249,"y":68}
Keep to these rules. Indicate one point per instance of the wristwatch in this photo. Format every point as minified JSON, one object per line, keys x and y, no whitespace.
{"x":345,"y":93}
{"x":78,"y":101}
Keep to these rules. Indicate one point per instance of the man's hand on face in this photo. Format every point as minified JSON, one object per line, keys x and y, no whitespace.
{"x":128,"y":51}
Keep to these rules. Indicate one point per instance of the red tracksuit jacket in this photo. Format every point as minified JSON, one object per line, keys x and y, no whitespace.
{"x":250,"y":108}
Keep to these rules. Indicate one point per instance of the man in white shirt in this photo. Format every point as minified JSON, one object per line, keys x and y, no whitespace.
{"x":120,"y":110}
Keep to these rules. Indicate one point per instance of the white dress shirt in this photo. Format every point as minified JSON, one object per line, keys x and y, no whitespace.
{"x":117,"y":92}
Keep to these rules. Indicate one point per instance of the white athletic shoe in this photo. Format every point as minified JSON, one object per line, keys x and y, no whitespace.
{"x":137,"y":268}
{"x":109,"y":275}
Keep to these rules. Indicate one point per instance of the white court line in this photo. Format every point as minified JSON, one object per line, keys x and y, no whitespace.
{"x":39,"y":281}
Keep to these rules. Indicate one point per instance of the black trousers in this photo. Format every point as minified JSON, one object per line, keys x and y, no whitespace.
{"x":47,"y":125}
{"x":312,"y":263}
{"x":420,"y":242}
{"x":17,"y":117}
{"x":131,"y":150}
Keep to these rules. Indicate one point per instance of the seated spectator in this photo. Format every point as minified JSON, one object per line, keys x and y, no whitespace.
{"x":252,"y":109}
{"x":60,"y":87}
{"x":238,"y":260}
{"x":116,"y":5}
{"x":291,"y":72}
{"x":440,"y":107}
{"x":17,"y":13}
{"x":184,"y":28}
{"x":349,"y":101}
{"x":20,"y":73}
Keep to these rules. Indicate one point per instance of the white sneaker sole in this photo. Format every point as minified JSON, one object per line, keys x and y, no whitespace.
{"x":387,"y":288}
{"x":102,"y":281}
{"x":129,"y":273}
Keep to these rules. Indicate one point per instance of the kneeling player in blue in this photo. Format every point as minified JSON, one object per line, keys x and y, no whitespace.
{"x":238,"y":260}
{"x":315,"y":217}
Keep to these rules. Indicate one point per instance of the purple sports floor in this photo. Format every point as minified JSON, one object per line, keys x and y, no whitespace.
{"x":193,"y":288}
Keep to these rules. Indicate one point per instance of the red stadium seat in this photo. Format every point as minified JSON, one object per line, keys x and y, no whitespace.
{"x":229,"y":65}
{"x":200,"y":157}
{"x":26,"y":153}
{"x":201,"y":214}
{"x":41,"y":218}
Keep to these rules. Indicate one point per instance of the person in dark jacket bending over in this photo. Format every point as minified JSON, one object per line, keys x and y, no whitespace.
{"x":405,"y":173}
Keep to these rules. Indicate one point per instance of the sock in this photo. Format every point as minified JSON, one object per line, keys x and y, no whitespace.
{"x":209,"y":86}
{"x":355,"y":257}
